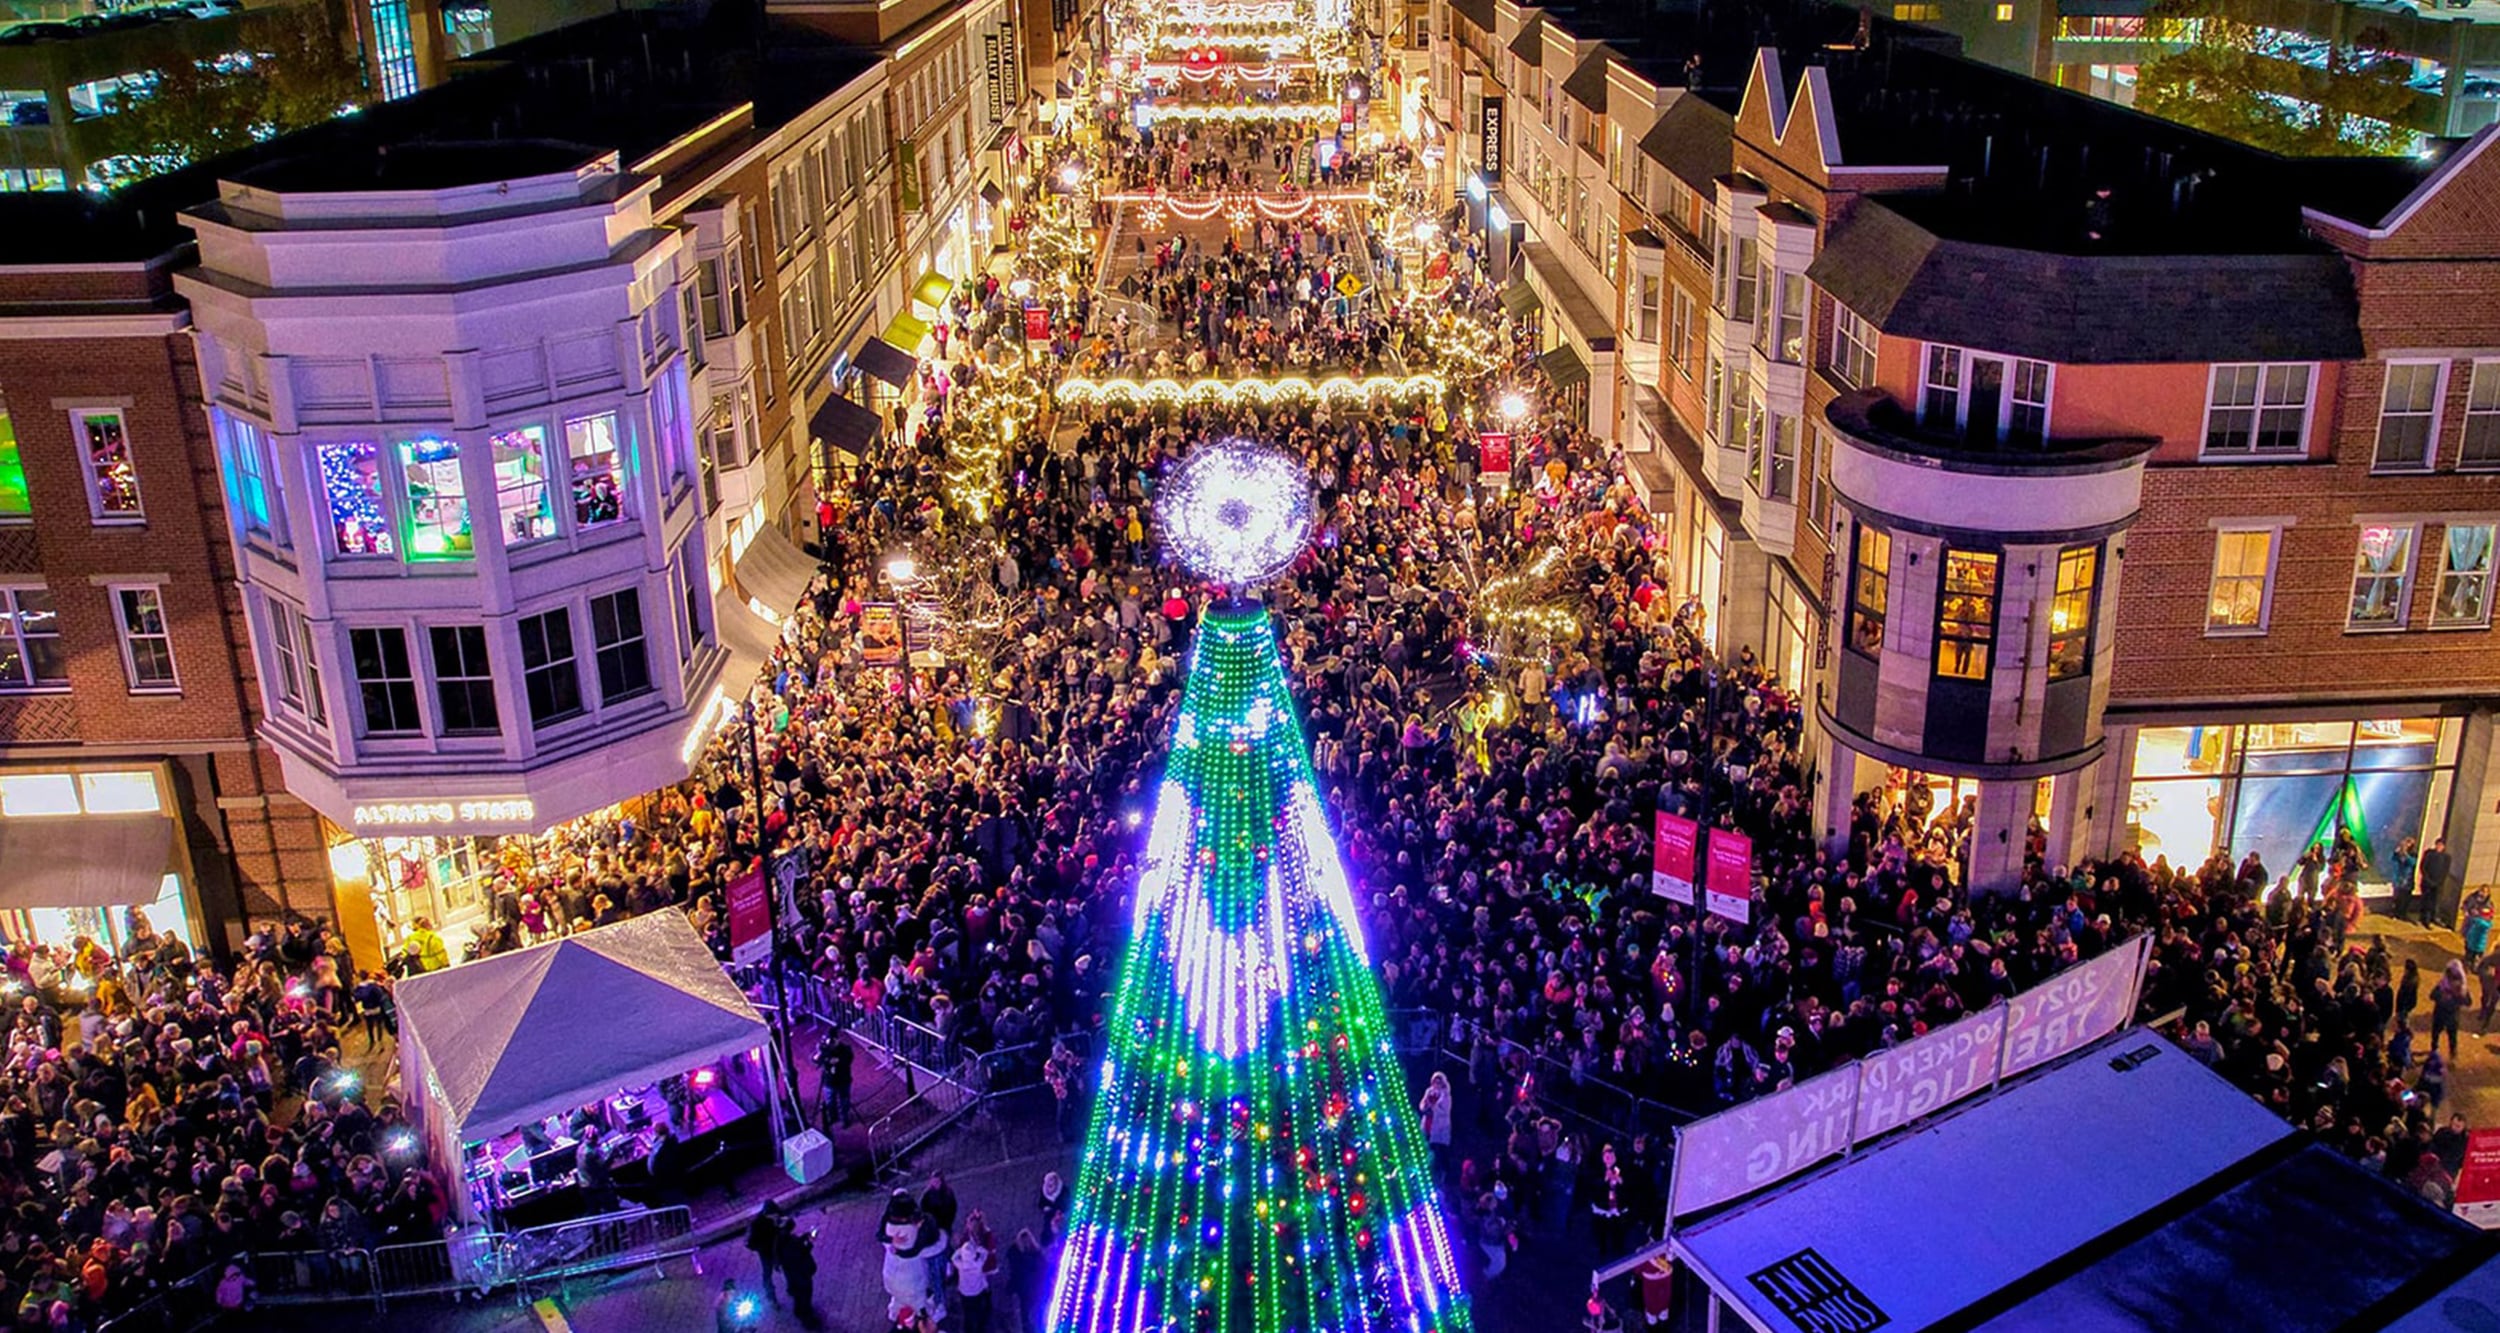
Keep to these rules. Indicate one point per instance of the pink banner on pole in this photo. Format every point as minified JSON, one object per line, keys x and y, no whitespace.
{"x":1671,"y":871}
{"x":750,"y":919}
{"x":1730,"y":882}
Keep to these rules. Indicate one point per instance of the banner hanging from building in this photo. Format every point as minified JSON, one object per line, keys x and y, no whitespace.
{"x":907,"y":175}
{"x":1730,"y":883}
{"x":1489,"y":141}
{"x":1493,"y":461}
{"x":1671,"y":858}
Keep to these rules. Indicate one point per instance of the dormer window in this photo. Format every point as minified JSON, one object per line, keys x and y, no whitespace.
{"x":1985,"y":397}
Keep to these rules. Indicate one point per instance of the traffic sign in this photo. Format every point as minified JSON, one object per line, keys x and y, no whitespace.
{"x":1349,"y":285}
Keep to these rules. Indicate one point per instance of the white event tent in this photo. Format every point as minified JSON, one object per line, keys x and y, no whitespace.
{"x":491,"y":1045}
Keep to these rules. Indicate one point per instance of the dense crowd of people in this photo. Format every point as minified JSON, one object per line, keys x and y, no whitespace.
{"x":160,"y":1116}
{"x":967,"y":836}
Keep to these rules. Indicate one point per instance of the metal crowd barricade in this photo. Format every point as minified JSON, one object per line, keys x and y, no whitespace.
{"x":467,"y":1262}
{"x":186,"y":1305}
{"x":309,"y":1277}
{"x":591,"y":1244}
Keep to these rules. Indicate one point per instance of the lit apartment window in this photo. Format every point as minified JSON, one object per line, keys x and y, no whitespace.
{"x":438,"y":501}
{"x":16,"y":506}
{"x":30,"y":641}
{"x":351,"y":481}
{"x":1870,"y":590}
{"x":1853,"y":348}
{"x":2243,"y":580}
{"x":394,"y":49}
{"x":2408,"y":415}
{"x":2257,"y":411}
{"x":2482,"y":420}
{"x":1928,"y":12}
{"x":617,"y":645}
{"x":548,"y":670}
{"x":147,"y":643}
{"x":2070,"y":612}
{"x":2382,"y":577}
{"x":112,"y":476}
{"x":1786,"y":435}
{"x":2464,"y":598}
{"x":598,"y":470}
{"x":464,"y":680}
{"x":386,"y":681}
{"x":1789,"y":342}
{"x":250,"y":486}
{"x":1744,"y":281}
{"x":523,"y":504}
{"x":1966,"y":615}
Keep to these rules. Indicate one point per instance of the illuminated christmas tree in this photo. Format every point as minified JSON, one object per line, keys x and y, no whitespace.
{"x":1254,"y":1165}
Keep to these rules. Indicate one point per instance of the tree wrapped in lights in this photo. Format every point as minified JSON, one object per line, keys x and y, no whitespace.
{"x":1254,"y":1165}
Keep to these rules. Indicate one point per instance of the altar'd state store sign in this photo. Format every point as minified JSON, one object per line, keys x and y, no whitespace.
{"x":491,"y":814}
{"x":1761,"y":1142}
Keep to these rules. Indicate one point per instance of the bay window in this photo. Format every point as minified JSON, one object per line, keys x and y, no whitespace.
{"x":1966,"y":615}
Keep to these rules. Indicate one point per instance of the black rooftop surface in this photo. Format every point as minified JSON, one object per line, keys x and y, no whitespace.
{"x":1587,"y":84}
{"x":627,"y":83}
{"x":1478,"y":12}
{"x":1693,"y":140}
{"x":2311,"y":1243}
{"x":1529,"y":44}
{"x":2091,"y":309}
{"x":416,"y":166}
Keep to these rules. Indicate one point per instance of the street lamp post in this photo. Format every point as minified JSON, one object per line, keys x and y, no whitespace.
{"x":900,"y":571}
{"x":772,"y":896}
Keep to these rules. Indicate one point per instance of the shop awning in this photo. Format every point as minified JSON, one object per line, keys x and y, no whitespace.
{"x":845,"y":425}
{"x":932,"y":288}
{"x":1520,"y":299}
{"x":1564,"y":367}
{"x":774,"y":574}
{"x":84,"y":860}
{"x":890,"y":360}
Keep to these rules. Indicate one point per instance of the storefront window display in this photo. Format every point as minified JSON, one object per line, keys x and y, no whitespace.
{"x":2275,"y":788}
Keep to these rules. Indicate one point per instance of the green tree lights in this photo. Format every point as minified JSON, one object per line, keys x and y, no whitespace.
{"x":1254,"y":1165}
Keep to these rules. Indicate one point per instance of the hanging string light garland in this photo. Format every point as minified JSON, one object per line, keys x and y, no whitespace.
{"x":1315,"y":112}
{"x":1284,"y":389}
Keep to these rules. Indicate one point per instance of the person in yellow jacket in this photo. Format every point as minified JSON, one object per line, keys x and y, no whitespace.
{"x":427,"y":946}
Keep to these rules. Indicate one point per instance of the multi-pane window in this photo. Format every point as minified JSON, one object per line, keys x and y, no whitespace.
{"x":1647,"y":308}
{"x":351,"y":482}
{"x":2482,"y":422}
{"x":2070,"y":612}
{"x":112,"y":476}
{"x":1713,"y":396}
{"x":247,"y":475}
{"x":598,"y":470}
{"x":30,"y":641}
{"x":16,"y":505}
{"x":2464,"y":598}
{"x":2257,"y":411}
{"x":548,"y":672}
{"x":2243,"y":570}
{"x":464,"y":682}
{"x":1870,"y":590}
{"x":1941,"y":407}
{"x":1786,"y":434}
{"x":1853,"y":348}
{"x":522,"y":502}
{"x":147,"y":642}
{"x":1966,"y":615}
{"x":617,"y":644}
{"x":1682,"y":346}
{"x":2408,"y":415}
{"x":1789,"y":343}
{"x":2382,"y":577}
{"x":386,"y":681}
{"x":2027,"y":410}
{"x":1745,"y":281}
{"x":438,"y":501}
{"x":286,"y":653}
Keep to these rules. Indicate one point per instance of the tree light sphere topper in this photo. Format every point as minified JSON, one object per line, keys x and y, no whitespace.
{"x":1236,"y":512}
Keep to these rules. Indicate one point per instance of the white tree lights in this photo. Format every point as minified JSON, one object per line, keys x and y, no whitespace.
{"x":1236,"y":513}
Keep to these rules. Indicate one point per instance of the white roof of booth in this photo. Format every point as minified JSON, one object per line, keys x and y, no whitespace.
{"x":508,"y":1039}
